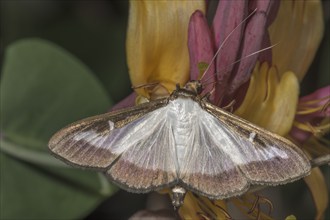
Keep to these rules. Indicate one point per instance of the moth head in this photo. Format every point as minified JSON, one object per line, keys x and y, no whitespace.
{"x":194,"y":86}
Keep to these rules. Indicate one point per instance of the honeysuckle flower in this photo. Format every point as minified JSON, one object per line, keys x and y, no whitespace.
{"x":312,"y":110}
{"x":156,"y":45}
{"x":170,"y":42}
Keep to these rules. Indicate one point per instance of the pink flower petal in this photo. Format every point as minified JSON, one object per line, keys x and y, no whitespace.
{"x":164,"y":214}
{"x":312,"y":118}
{"x":200,"y":48}
{"x":254,"y":35}
{"x":318,"y":94}
{"x":323,"y":95}
{"x":129,"y":101}
{"x":266,"y":56}
{"x":228,"y":15}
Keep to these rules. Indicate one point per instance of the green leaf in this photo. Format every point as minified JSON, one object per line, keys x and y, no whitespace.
{"x":43,"y":84}
{"x":43,"y":88}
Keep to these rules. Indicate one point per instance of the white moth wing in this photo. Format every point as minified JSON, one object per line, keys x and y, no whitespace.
{"x":149,"y":162}
{"x":207,"y":167}
{"x":207,"y":150}
{"x":263,"y":157}
{"x":228,"y":154}
{"x":139,"y":156}
{"x":91,"y":142}
{"x":85,"y":143}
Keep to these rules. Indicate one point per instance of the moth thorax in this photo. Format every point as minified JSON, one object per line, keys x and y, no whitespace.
{"x":194,"y":86}
{"x":178,"y":194}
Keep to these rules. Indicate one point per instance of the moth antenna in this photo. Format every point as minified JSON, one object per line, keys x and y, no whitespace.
{"x":224,"y":41}
{"x":247,"y":56}
{"x":211,"y":82}
{"x":217,"y":102}
{"x":208,"y":94}
{"x":252,"y":54}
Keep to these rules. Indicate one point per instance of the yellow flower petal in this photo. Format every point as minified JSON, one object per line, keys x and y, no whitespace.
{"x":197,"y":207}
{"x":190,"y":208}
{"x":271,"y":101}
{"x":157,"y":42}
{"x":316,"y":181}
{"x":298,"y":30}
{"x":318,"y":187}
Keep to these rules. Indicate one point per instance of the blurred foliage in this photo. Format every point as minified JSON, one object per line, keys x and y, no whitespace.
{"x":43,"y":88}
{"x":93,"y":31}
{"x":318,"y":74}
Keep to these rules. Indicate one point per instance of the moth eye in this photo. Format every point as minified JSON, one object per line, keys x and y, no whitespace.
{"x":199,"y":88}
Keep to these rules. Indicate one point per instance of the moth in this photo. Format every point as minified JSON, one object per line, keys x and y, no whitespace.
{"x":181,"y":142}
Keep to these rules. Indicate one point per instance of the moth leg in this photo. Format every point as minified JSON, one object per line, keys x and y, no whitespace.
{"x":230,"y":106}
{"x":210,"y":212}
{"x":256,"y":205}
{"x":203,"y":216}
{"x":227,"y":215}
{"x":269,"y":203}
{"x":207,"y":95}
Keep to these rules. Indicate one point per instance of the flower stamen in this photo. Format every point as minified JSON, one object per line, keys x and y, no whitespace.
{"x":326,"y":106}
{"x":227,"y":215}
{"x":310,"y":102}
{"x":317,"y":131}
{"x":308,"y":107}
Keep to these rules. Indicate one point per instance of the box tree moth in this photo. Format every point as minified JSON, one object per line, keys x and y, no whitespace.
{"x":181,"y":142}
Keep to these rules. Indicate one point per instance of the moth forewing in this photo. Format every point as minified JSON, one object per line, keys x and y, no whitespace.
{"x":149,"y":163}
{"x":268,"y":158}
{"x":87,"y":143}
